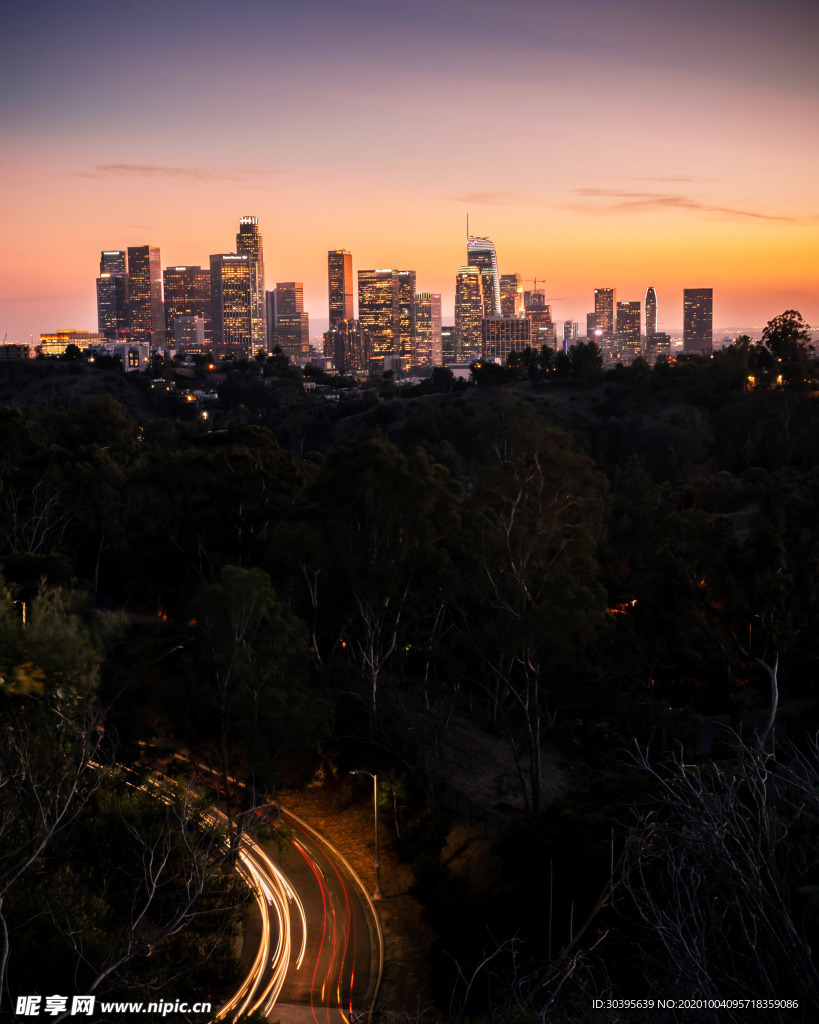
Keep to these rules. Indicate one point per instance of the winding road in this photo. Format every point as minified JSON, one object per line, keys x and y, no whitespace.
{"x":319,"y":949}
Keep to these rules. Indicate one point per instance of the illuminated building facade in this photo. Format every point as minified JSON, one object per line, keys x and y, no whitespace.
{"x":449,"y":347}
{"x":480,"y":253}
{"x":657,"y":346}
{"x":112,"y":304}
{"x":406,"y":318}
{"x":386,"y":311}
{"x":189,"y":334}
{"x":55,"y":343}
{"x":348,"y":346}
{"x":428,"y":321}
{"x":292,"y":333}
{"x":146,"y":318}
{"x":511,"y":295}
{"x":539,"y":314}
{"x":651,"y":312}
{"x":340,"y":284}
{"x":605,"y":300}
{"x":469,"y":307}
{"x":628,"y":330}
{"x":501,"y":335}
{"x":698,"y":317}
{"x":113,"y":261}
{"x":230,"y":305}
{"x":571,"y":332}
{"x":187,"y":293}
{"x":249,"y":244}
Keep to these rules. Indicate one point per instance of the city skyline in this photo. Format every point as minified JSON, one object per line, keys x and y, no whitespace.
{"x":721,"y":189}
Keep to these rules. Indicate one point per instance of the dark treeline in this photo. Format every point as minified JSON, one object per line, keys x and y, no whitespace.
{"x":604,"y":565}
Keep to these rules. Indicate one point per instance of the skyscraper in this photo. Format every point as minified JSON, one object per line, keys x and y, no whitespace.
{"x":591,"y":326}
{"x":112,"y":293}
{"x":270,"y":310}
{"x":501,"y":335}
{"x":249,"y":243}
{"x":539,"y":313}
{"x":340,"y":281}
{"x":112,"y":261}
{"x":230,"y":279}
{"x":511,"y":295}
{"x":604,"y":303}
{"x":428,"y":329}
{"x":187,"y":293}
{"x":698,"y":315}
{"x":348,"y":346}
{"x":292,"y":323}
{"x":480,"y":253}
{"x":386,"y":311}
{"x":406,"y":317}
{"x":651,"y":312}
{"x":112,"y":304}
{"x":378,"y":311}
{"x":146,"y":318}
{"x":628,"y":330}
{"x":571,"y":330}
{"x":469,"y":307}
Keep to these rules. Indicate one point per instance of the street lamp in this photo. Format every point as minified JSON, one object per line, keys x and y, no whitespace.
{"x":377,"y":893}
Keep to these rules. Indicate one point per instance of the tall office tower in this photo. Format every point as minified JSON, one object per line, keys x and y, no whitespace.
{"x":292,"y":323}
{"x":628,"y":330}
{"x":571,"y":331}
{"x":187,"y":293}
{"x":230,"y":305}
{"x":698,"y":316}
{"x":469,"y":307}
{"x":605,"y":300}
{"x":406,"y":318}
{"x":480,"y":253}
{"x":511,"y":295}
{"x":112,"y":261}
{"x":270,"y":310}
{"x":379,"y":311}
{"x":340,"y":280}
{"x":651,"y":312}
{"x":449,"y":348}
{"x":289,"y":297}
{"x":146,"y":318}
{"x":534,"y":298}
{"x":501,"y":335}
{"x":293,"y":333}
{"x":539,"y":314}
{"x":591,"y":326}
{"x":112,"y":293}
{"x":348,"y":346}
{"x":249,"y":243}
{"x":428,"y":329}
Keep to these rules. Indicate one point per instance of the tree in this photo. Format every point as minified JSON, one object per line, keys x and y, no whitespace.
{"x":383,"y":515}
{"x":244,"y":698}
{"x":787,"y":338}
{"x":586,"y":362}
{"x":712,"y":873}
{"x":538,"y":516}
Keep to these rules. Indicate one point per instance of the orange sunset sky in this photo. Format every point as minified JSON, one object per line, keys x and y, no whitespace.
{"x":598,"y":145}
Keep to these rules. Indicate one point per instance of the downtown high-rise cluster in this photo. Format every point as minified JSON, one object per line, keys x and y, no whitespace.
{"x":226,"y":310}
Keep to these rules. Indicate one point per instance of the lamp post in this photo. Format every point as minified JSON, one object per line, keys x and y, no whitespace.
{"x":377,"y":893}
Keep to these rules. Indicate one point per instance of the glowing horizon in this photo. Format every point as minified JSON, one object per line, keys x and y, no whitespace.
{"x":611,"y":147}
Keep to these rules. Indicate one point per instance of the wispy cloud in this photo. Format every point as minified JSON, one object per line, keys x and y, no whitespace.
{"x":160,"y":171}
{"x":491,"y":198}
{"x":619,"y":200}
